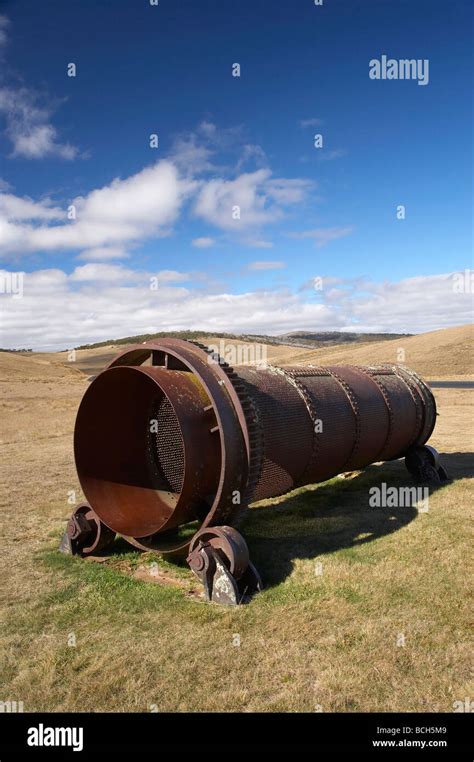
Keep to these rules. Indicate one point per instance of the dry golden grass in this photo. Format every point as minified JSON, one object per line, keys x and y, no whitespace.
{"x":440,"y":354}
{"x":309,"y":641}
{"x":446,"y":353}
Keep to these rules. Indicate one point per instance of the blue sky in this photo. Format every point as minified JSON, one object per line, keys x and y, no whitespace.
{"x":166,"y":213}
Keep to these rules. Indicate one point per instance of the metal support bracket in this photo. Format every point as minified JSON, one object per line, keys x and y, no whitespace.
{"x":219,"y":559}
{"x":424,"y":465}
{"x":85,"y":533}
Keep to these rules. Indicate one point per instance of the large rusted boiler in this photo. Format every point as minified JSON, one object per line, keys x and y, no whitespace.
{"x":172,"y":444}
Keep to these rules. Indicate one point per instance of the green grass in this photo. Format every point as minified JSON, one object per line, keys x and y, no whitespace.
{"x":307,"y":639}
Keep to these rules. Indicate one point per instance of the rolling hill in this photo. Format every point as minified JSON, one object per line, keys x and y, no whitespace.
{"x":447,"y":353}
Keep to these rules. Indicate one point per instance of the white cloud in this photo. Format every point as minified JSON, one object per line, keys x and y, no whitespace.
{"x":40,"y":141}
{"x":109,"y":301}
{"x":112,"y":220}
{"x":28,"y":123}
{"x":29,"y":128}
{"x":257,"y":243}
{"x":203,"y":243}
{"x":104,"y":253}
{"x":310,"y":122}
{"x":122,"y":213}
{"x":190,"y":156}
{"x":173,"y":276}
{"x":288,"y":191}
{"x":117,"y":217}
{"x":14,"y":209}
{"x":99,"y":272}
{"x":266,"y":265}
{"x":260,"y":199}
{"x":423,"y":303}
{"x":195,"y":152}
{"x":208,"y":129}
{"x":251,"y":152}
{"x":322,"y":236}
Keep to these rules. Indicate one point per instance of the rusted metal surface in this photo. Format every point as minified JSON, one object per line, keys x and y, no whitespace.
{"x":119,"y":456}
{"x":227,"y":422}
{"x":319,"y":422}
{"x":171,"y":443}
{"x":286,"y":427}
{"x":85,"y":534}
{"x":219,"y":558}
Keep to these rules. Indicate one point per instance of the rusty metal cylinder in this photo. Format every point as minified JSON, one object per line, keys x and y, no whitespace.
{"x":145,"y":456}
{"x":169,"y":437}
{"x":319,"y":422}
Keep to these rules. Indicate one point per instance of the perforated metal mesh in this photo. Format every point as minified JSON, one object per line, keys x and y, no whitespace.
{"x":167,"y":446}
{"x":318,"y":422}
{"x":287,"y":430}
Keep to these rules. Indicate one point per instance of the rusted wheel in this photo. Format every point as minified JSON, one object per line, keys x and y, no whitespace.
{"x":423,"y":464}
{"x":86,"y":531}
{"x":232,"y":546}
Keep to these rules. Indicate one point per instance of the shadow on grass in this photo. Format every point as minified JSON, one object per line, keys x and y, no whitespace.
{"x":320,"y":519}
{"x":335,"y":515}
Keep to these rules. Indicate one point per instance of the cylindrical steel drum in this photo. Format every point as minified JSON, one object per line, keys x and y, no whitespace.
{"x":169,"y":436}
{"x":319,"y":422}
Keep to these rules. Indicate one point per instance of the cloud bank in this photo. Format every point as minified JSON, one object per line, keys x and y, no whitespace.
{"x":100,"y":301}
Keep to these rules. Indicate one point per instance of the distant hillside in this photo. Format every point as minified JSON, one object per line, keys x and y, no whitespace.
{"x":436,"y":355}
{"x":447,"y":352}
{"x":140,"y":338}
{"x":34,"y":366}
{"x":331,"y":338}
{"x":295,"y":338}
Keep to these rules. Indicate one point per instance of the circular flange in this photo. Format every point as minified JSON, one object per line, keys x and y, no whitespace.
{"x":231,"y":544}
{"x":88,"y":531}
{"x":251,"y":427}
{"x":230,"y":418}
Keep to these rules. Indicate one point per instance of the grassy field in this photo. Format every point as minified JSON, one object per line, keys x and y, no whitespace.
{"x":363,"y":609}
{"x":438,"y":354}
